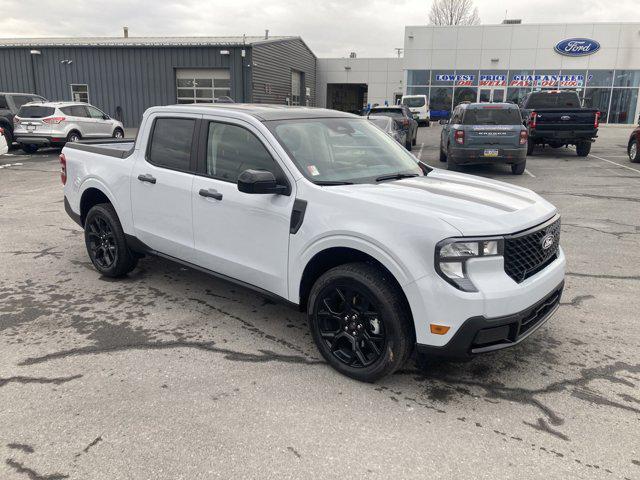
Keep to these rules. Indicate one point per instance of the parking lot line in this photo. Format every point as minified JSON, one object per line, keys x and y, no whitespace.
{"x":614,"y":163}
{"x":529,"y":173}
{"x":420,"y":151}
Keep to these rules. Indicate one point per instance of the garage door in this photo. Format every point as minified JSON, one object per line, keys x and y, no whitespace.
{"x":202,"y":85}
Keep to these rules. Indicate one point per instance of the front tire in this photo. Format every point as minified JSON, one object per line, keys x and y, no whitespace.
{"x":118,"y":133}
{"x":106,"y":242}
{"x":360,"y":322}
{"x":583,"y":149}
{"x":634,"y":155}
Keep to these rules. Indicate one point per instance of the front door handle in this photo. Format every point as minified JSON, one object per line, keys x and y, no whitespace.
{"x":210,"y":193}
{"x":147,"y":178}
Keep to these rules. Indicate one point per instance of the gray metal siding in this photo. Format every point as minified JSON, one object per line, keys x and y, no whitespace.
{"x":133,"y":78}
{"x":272,"y":65}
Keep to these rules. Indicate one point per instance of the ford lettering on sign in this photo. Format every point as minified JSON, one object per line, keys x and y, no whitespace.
{"x":577,"y":47}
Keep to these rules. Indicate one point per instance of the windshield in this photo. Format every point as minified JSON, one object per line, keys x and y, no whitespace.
{"x":385,"y":123}
{"x":413,"y":102}
{"x":553,"y":100}
{"x":342,"y":150}
{"x":491,"y":115}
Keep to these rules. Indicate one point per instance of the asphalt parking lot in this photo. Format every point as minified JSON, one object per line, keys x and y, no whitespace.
{"x":170,"y":374}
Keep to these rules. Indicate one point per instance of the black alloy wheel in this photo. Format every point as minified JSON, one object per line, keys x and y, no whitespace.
{"x":101,"y":242}
{"x":350,"y":325}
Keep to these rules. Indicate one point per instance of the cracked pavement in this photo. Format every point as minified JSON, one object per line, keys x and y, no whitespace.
{"x":170,"y":374}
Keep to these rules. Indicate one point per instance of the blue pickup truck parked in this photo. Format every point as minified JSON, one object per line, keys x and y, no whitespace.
{"x":484,"y":133}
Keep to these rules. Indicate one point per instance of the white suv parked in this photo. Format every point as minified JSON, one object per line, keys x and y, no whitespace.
{"x":56,"y":123}
{"x":325,"y":211}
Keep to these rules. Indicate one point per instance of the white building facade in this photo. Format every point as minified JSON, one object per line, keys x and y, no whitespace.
{"x":504,"y":62}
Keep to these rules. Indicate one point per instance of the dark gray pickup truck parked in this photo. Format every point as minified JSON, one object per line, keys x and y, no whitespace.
{"x":557,"y":118}
{"x":10,"y":103}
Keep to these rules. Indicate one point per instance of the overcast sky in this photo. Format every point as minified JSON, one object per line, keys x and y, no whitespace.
{"x":332,"y":28}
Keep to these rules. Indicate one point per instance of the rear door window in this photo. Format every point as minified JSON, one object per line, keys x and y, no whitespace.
{"x":416,"y":102}
{"x":171,"y":143}
{"x":491,"y":116}
{"x":35,"y":111}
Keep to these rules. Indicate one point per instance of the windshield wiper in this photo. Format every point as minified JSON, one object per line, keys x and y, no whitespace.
{"x":329,"y":183}
{"x":396,"y":176}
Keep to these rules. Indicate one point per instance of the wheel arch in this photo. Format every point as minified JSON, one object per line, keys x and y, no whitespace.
{"x":92,"y":194}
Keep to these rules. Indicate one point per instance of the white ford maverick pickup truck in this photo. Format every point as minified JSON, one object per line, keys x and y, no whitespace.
{"x":325,"y":211}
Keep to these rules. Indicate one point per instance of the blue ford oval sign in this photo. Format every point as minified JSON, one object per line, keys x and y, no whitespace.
{"x":577,"y":47}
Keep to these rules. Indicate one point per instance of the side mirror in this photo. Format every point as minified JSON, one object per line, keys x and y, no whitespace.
{"x":106,"y":117}
{"x":260,"y":181}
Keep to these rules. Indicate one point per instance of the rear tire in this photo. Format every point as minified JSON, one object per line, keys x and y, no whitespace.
{"x":377,"y":337}
{"x":518,"y":168}
{"x":408,"y":145}
{"x":73,"y":137}
{"x":583,"y":148}
{"x":8,"y":136}
{"x":29,"y":149}
{"x":443,"y":156}
{"x":106,"y":243}
{"x":415,"y":139}
{"x":427,"y":123}
{"x":634,"y":155}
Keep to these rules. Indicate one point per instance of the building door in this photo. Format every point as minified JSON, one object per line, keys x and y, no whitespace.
{"x":202,"y":85}
{"x":296,"y":87}
{"x":492,"y":94}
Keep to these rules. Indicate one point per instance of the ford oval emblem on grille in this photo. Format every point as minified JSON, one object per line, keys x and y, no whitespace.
{"x":565,"y":117}
{"x":547,"y":241}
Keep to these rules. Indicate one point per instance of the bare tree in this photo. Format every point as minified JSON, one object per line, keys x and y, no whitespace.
{"x":454,"y":12}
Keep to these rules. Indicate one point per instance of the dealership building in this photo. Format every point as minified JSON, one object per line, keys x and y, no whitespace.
{"x":124,"y":76}
{"x":494,"y":63}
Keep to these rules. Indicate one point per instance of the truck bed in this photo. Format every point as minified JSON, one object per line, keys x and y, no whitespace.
{"x":112,"y":148}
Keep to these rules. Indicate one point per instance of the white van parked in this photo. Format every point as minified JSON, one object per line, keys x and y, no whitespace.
{"x":419,"y":106}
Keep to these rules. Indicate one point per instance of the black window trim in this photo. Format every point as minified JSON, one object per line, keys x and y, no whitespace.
{"x":194,"y":143}
{"x":201,"y":169}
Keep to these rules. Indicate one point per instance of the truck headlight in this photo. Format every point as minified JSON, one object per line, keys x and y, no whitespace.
{"x":452,"y":256}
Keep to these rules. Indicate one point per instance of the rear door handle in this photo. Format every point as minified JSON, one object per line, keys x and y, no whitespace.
{"x":147,"y":178}
{"x":210,"y":193}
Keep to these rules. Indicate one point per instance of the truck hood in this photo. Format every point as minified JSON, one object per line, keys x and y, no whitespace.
{"x":473,"y":205}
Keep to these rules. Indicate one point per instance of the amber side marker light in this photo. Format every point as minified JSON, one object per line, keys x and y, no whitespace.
{"x":439,"y":329}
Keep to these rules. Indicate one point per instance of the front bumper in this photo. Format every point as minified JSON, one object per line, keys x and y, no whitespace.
{"x":481,"y":334}
{"x":475,"y":155}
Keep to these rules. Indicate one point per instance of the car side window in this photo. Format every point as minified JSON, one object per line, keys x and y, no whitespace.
{"x":95,"y":113}
{"x":232,"y":149}
{"x":170,"y":143}
{"x":78,"y":111}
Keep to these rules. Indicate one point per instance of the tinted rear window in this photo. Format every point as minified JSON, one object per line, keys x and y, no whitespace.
{"x":384,"y":123}
{"x":491,"y":116}
{"x":554,"y":100}
{"x":387,"y":112}
{"x":35,"y":111}
{"x":171,"y":143}
{"x":414,"y":102}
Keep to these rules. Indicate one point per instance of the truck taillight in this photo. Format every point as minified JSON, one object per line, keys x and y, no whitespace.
{"x":533,"y":121}
{"x":524,"y":136}
{"x":53,"y":120}
{"x":63,"y":169}
{"x":596,"y":121}
{"x":405,"y":122}
{"x":458,"y":136}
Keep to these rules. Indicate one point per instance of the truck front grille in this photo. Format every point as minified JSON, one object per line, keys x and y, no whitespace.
{"x":524,"y":253}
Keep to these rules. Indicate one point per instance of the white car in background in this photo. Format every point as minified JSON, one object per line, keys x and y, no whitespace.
{"x":3,"y":143}
{"x":53,"y":124}
{"x":419,"y":106}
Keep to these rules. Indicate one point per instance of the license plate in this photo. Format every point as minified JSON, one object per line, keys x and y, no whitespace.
{"x":493,"y":152}
{"x":31,"y":128}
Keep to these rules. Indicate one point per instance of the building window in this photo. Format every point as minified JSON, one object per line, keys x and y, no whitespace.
{"x":440,"y":102}
{"x":417,"y":90}
{"x":202,"y":86}
{"x":598,"y":98}
{"x":627,"y":78}
{"x":296,"y":85}
{"x":417,"y":77}
{"x":623,"y":105}
{"x":600,"y":78}
{"x":80,"y":93}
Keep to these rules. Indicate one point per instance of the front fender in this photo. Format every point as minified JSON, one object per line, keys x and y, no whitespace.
{"x":371,"y":247}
